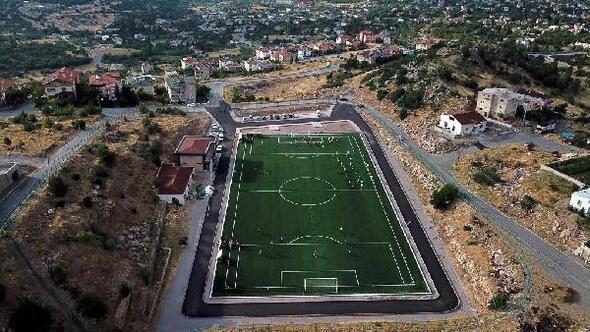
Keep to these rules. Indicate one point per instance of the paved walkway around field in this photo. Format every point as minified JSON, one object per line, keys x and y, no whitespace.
{"x":171,"y":318}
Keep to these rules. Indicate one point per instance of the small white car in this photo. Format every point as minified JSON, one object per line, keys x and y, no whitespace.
{"x":191,"y":105}
{"x":219,"y":148}
{"x":220,"y":137}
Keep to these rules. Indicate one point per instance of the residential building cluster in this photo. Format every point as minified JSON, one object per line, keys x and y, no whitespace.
{"x":194,"y":155}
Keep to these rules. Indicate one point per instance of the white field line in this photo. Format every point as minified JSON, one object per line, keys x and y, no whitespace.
{"x":234,"y":222}
{"x":383,"y":209}
{"x":396,"y":264}
{"x":237,"y":269}
{"x":290,"y":191}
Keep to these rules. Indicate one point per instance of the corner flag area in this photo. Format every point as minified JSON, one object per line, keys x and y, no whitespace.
{"x":309,"y":215}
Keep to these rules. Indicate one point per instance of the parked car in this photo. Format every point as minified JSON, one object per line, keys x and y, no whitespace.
{"x":219,"y":148}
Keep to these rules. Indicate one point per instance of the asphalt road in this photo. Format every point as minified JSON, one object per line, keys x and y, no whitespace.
{"x":26,"y":108}
{"x":562,"y":266}
{"x":194,"y":306}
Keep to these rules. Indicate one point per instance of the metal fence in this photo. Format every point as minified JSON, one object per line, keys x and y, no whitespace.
{"x":54,"y":165}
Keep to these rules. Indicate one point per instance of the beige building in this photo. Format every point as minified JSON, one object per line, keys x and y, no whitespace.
{"x":501,"y":102}
{"x":195,"y":151}
{"x":181,"y":89}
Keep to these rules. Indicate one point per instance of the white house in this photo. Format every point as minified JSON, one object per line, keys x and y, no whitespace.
{"x":580,"y":200}
{"x":263,"y":53}
{"x":187,"y":62}
{"x":174,"y":182}
{"x":304,"y":52}
{"x":254,"y":65}
{"x":462,"y":124}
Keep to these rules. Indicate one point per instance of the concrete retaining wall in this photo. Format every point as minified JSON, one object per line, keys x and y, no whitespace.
{"x":563,"y":176}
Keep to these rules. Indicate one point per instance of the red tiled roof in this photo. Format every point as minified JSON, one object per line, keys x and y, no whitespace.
{"x":64,"y":75}
{"x":469,"y":118}
{"x":104,"y":79}
{"x":6,"y":84}
{"x":173,"y":180}
{"x":194,"y":145}
{"x":189,"y":60}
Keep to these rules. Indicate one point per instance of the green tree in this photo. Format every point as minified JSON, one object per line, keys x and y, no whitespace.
{"x":445,"y":196}
{"x":30,"y":317}
{"x":498,"y":302}
{"x":57,"y":187}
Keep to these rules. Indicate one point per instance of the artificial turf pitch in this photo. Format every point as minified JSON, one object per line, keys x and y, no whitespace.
{"x":308,"y":215}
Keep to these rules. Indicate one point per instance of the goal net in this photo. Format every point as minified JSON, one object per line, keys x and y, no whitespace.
{"x":321,"y":285}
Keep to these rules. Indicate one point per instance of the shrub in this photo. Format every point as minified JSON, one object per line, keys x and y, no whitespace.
{"x":107,"y":157}
{"x":124,"y":290}
{"x":100,"y":172}
{"x":396,"y":94}
{"x":150,"y":127}
{"x":87,"y":202}
{"x":381,"y":94}
{"x":76,"y":177}
{"x":486,"y":176}
{"x":92,"y":306}
{"x":83,"y":236}
{"x":528,"y":203}
{"x":444,"y":197}
{"x":7,"y":141}
{"x":29,"y":126}
{"x":146,"y":275}
{"x":97,"y":182}
{"x":411,"y":100}
{"x":2,"y":293}
{"x":79,"y":124}
{"x":402,"y":113}
{"x":498,"y":302}
{"x":58,"y":275}
{"x":108,"y":243}
{"x":571,"y":295}
{"x":30,"y":317}
{"x":59,"y":204}
{"x":57,"y":187}
{"x":583,"y":222}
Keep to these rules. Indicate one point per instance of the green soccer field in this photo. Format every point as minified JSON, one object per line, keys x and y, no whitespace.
{"x":308,"y":215}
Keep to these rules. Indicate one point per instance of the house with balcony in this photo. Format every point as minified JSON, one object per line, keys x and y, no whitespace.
{"x":61,"y":84}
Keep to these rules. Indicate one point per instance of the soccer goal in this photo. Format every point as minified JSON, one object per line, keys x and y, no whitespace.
{"x":321,"y":285}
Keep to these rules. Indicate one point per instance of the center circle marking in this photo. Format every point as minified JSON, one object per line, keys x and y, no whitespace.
{"x":330,"y":191}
